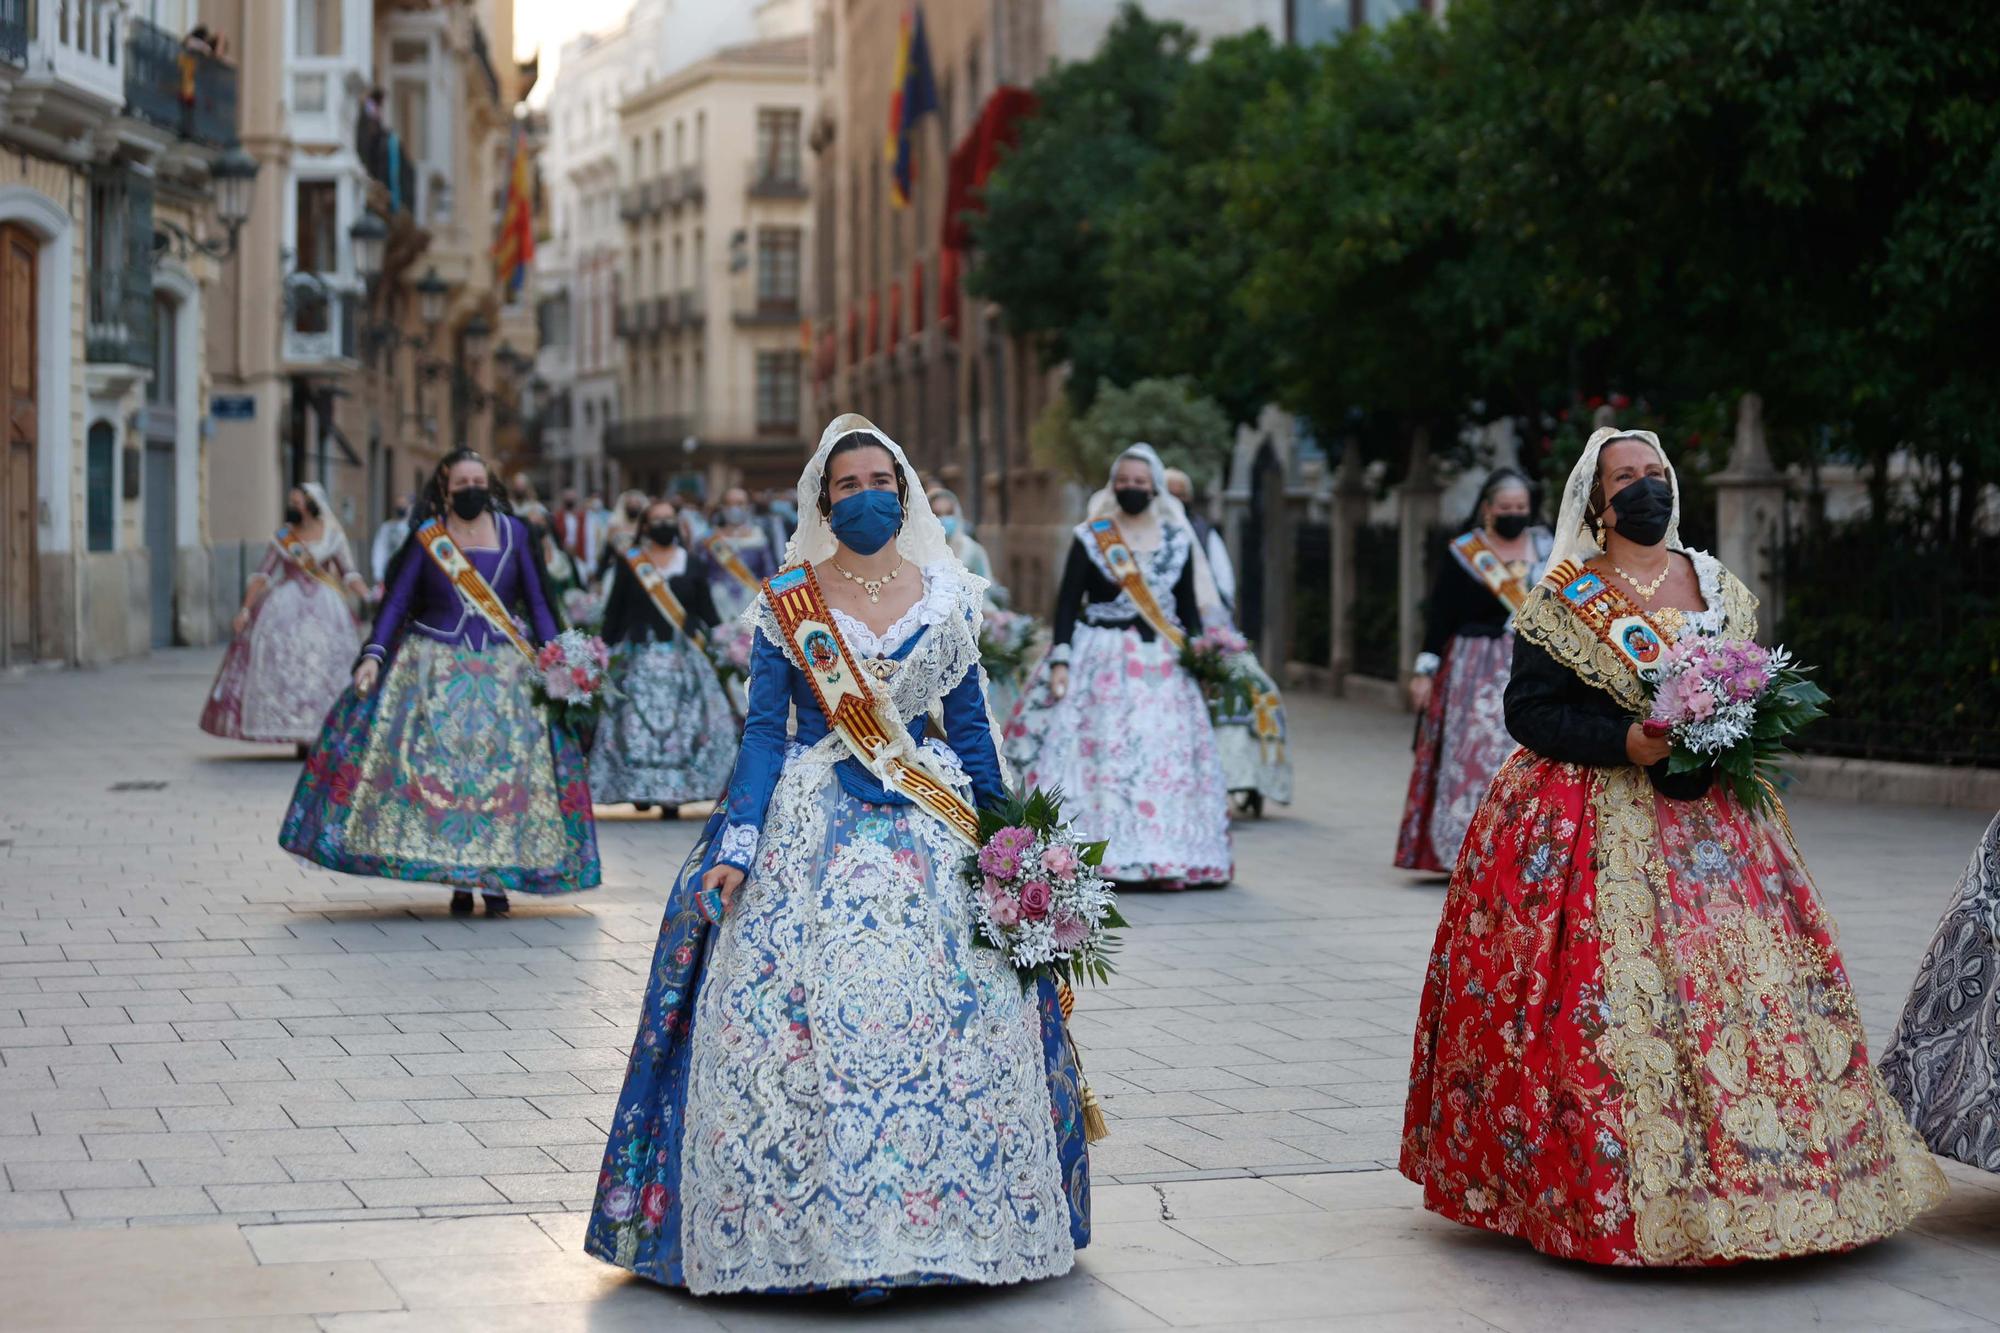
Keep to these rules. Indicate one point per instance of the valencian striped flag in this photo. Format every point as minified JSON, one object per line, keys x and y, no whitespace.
{"x":514,"y":243}
{"x":915,"y":97}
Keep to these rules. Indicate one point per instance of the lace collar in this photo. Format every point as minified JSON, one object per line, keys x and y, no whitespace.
{"x":941,"y":598}
{"x":1708,"y":573}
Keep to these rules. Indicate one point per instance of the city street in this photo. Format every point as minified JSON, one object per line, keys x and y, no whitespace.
{"x":240,"y":1093}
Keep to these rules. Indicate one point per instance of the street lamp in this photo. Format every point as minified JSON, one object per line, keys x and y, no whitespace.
{"x":477,"y":333}
{"x":431,"y":291}
{"x":235,"y":176}
{"x":369,"y":237}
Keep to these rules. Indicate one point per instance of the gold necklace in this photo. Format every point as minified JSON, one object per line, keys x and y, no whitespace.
{"x":873,"y":587}
{"x":1645,"y":590}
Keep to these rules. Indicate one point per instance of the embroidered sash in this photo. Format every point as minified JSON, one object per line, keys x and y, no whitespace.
{"x":1124,"y":567}
{"x":301,"y":555}
{"x":656,"y":586}
{"x":471,"y":585}
{"x":724,"y":554}
{"x":851,"y":705}
{"x":1481,"y":562}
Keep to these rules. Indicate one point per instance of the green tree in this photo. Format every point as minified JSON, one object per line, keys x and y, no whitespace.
{"x":1188,"y":430}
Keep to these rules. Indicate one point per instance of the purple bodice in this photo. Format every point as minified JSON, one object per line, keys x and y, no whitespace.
{"x":423,"y":601}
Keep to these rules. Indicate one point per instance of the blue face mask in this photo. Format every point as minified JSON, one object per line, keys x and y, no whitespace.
{"x":950,"y":522}
{"x":867,"y":522}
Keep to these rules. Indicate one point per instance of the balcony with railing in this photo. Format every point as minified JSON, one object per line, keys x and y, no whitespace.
{"x":391,"y":168}
{"x":771,"y":309}
{"x":120,"y":329}
{"x":187,"y":93}
{"x":322,"y":325}
{"x":776,"y":178}
{"x":71,"y":59}
{"x":648,"y":434}
{"x":632,"y":202}
{"x":690,"y":311}
{"x":689,"y":185}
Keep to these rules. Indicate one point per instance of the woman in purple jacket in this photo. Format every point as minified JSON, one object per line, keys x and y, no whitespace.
{"x":438,"y":763}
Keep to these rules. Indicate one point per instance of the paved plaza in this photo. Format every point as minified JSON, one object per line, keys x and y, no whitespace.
{"x":239,"y":1093}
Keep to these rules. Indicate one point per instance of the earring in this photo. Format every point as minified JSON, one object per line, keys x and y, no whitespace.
{"x":1597,"y":530}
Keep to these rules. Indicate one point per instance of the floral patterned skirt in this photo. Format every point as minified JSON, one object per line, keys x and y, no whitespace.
{"x":1133,"y":750}
{"x":448,"y":771}
{"x":837,"y":1087}
{"x":670,"y":736}
{"x":1461,"y":742}
{"x":1943,"y":1063}
{"x":1253,"y":745}
{"x":288,"y":666}
{"x":1638,"y":1044}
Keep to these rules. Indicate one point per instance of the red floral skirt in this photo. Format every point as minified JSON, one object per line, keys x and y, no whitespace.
{"x":1638,"y":1044}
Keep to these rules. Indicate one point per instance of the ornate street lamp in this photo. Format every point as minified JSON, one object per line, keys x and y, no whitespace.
{"x":234,"y":174}
{"x":477,"y":333}
{"x":431,"y":292}
{"x":369,"y":237}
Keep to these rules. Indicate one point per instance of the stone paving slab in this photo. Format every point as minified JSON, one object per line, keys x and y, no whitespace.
{"x":196,"y":1028}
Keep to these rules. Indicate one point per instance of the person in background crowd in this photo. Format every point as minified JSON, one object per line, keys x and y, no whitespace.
{"x":775,"y":525}
{"x":738,"y":555}
{"x":295,"y":636}
{"x":389,"y":539}
{"x":596,"y":527}
{"x":1131,"y":745}
{"x":1637,"y":1043}
{"x":565,"y":571}
{"x":1209,"y":537}
{"x":440,"y":763}
{"x":1460,"y":676}
{"x":669,"y":736}
{"x":572,"y":527}
{"x":958,"y":532}
{"x":619,"y":534}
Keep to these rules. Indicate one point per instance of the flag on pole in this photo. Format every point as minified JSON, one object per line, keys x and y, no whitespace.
{"x":915,"y":97}
{"x":514,"y":243}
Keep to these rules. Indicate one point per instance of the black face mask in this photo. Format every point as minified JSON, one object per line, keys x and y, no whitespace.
{"x":294,"y":515}
{"x":1644,"y":509}
{"x":1510,"y":526}
{"x":663,"y":534}
{"x":1133,"y":500}
{"x":469,"y":503}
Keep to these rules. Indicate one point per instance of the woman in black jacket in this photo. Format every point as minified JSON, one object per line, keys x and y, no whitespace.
{"x":669,"y":736}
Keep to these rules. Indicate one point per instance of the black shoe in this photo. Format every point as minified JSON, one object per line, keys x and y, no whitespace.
{"x":496,"y":904}
{"x":670,"y":812}
{"x":642,"y":806}
{"x":301,"y":750}
{"x":461,"y":903}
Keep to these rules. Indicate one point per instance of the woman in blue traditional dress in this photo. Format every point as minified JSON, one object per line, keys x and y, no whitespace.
{"x":838,"y":1087}
{"x":1460,"y":677}
{"x":669,"y":736}
{"x":452,"y":771}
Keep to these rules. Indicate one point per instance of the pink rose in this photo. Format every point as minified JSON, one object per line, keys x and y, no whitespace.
{"x":1060,"y":860}
{"x":1006,"y":913}
{"x":653,"y":1202}
{"x":1035,"y":899}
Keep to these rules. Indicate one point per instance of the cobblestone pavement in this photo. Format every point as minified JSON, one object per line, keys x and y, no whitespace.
{"x":361,"y":1114}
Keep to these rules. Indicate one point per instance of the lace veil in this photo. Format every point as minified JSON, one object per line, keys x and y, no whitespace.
{"x":1574,"y":539}
{"x":922,"y":541}
{"x":333,"y":537}
{"x":1147,"y":529}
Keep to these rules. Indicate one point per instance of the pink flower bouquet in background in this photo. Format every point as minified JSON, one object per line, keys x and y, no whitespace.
{"x":1214,"y":658}
{"x":1037,"y":893}
{"x":570,"y":675}
{"x":583,"y":609}
{"x":1731,"y":703}
{"x":1006,"y":641}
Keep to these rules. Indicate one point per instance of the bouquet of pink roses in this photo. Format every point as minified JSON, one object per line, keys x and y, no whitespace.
{"x":1214,"y":658}
{"x":571,"y":675}
{"x":583,"y":609}
{"x":1037,"y":893}
{"x":729,"y":648}
{"x":1006,"y":639}
{"x":1731,"y":703}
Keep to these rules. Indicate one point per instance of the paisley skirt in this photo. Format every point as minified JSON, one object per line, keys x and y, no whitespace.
{"x":1133,"y":750}
{"x":1461,"y":742}
{"x":1638,"y":1044}
{"x":1943,"y":1064}
{"x":447,"y":771}
{"x":284,"y":671}
{"x":837,"y":1087}
{"x":669,"y":737}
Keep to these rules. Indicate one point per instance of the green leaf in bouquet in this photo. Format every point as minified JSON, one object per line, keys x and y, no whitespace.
{"x":1092,"y":853}
{"x":1685,"y":761}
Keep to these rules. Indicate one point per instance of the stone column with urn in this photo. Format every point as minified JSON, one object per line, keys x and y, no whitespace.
{"x":1416,"y":515}
{"x":1750,"y":514}
{"x":1350,"y":513}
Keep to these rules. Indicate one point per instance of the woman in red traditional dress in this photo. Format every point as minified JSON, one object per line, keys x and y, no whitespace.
{"x":1638,"y":1044}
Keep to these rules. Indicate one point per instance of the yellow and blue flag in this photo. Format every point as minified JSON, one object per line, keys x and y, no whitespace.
{"x":915,"y":97}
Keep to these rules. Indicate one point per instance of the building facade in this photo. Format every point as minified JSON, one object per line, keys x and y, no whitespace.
{"x":111,"y":126}
{"x":714,"y":198}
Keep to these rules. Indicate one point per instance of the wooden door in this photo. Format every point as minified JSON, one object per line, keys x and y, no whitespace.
{"x":19,"y":416}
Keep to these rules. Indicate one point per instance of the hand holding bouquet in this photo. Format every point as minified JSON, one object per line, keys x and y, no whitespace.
{"x":1214,"y":659}
{"x":1731,"y":703}
{"x":570,"y":675}
{"x":1037,"y":894}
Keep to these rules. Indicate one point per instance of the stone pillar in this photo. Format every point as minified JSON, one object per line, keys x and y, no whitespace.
{"x":1416,"y":514}
{"x":1350,"y":513}
{"x":1750,"y":514}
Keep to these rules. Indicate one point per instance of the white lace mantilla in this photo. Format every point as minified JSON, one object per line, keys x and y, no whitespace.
{"x":1708,"y":573}
{"x":867,"y":1098}
{"x":1161,"y":567}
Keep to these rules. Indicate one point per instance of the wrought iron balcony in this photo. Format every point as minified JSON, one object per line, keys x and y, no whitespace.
{"x":689,"y":309}
{"x":14,"y":32}
{"x":691,"y":188}
{"x":189,"y":93}
{"x":387,"y":162}
{"x":775,"y":309}
{"x":648,"y":434}
{"x":780,"y":178}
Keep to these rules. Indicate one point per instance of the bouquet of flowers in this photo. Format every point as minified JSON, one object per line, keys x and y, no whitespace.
{"x":571,"y":675}
{"x":1214,"y":658}
{"x":582,"y":609}
{"x":1006,"y":638}
{"x":729,"y":648}
{"x":1731,"y":703}
{"x":1037,"y":893}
